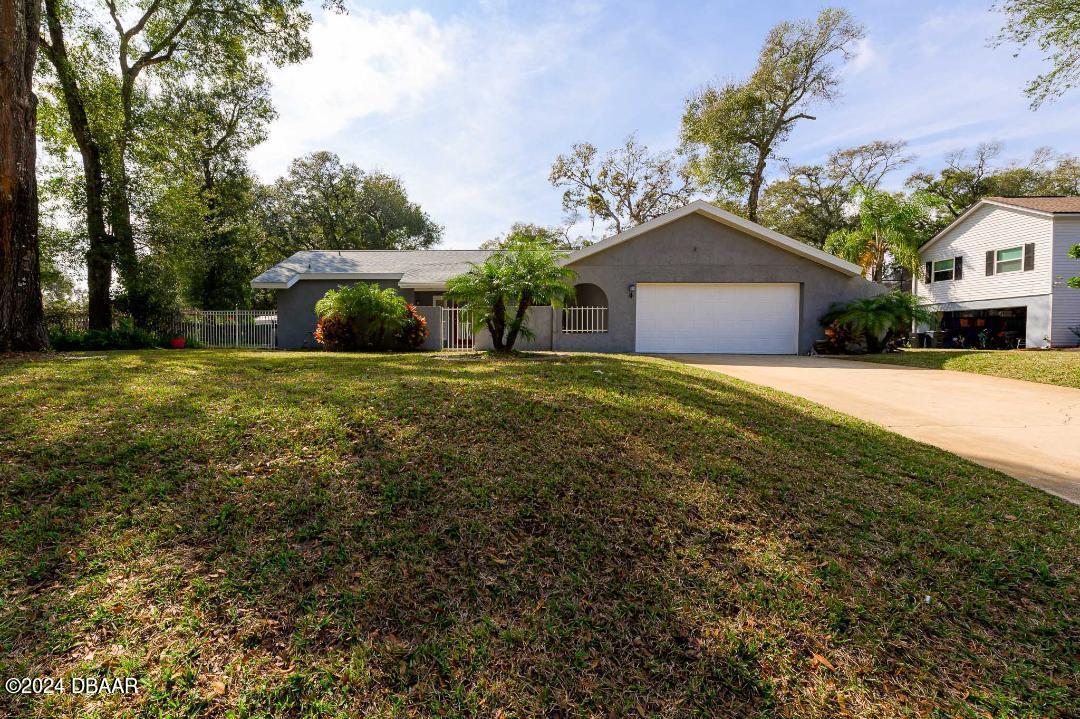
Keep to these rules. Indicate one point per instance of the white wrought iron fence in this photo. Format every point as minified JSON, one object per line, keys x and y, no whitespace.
{"x":455,"y":329}
{"x":584,"y":319}
{"x":249,"y":329}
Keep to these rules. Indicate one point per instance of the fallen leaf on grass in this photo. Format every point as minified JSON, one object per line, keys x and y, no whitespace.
{"x":818,"y":659}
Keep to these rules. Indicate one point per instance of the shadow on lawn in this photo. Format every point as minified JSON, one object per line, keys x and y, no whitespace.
{"x":322,"y":535}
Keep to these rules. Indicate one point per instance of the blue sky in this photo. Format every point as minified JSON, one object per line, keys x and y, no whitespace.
{"x":469,"y":103}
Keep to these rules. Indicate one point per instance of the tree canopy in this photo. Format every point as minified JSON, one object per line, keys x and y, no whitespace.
{"x":324,"y":203}
{"x":814,"y":200}
{"x":1053,"y":27}
{"x":969,"y":176}
{"x":102,"y":80}
{"x":733,"y":130}
{"x":622,"y":188}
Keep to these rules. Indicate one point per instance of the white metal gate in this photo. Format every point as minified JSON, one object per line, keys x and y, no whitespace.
{"x":249,"y":329}
{"x":455,"y":329}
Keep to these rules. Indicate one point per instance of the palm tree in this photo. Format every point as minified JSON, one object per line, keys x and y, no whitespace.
{"x":498,"y":292}
{"x":889,"y":226}
{"x":878,"y":318}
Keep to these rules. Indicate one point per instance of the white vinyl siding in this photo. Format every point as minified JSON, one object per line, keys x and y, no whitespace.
{"x":989,"y":229}
{"x":750,"y":318}
{"x":1065,"y":312}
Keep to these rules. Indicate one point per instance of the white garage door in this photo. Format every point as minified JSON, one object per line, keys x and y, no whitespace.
{"x":735,"y":318}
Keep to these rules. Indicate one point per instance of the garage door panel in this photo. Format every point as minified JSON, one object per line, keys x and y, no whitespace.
{"x":724,"y":318}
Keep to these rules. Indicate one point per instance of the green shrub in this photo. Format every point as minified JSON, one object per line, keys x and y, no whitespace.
{"x":365,"y":317}
{"x":125,"y":336}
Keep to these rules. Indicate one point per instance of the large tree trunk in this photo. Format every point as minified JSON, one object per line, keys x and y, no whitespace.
{"x":756,"y":182}
{"x":22,"y":325}
{"x":99,"y":257}
{"x":127,"y":258}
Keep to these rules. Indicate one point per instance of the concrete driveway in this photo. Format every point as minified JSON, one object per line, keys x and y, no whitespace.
{"x":1030,"y":431}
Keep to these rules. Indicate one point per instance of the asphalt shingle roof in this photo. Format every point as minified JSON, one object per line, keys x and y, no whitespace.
{"x":1042,"y":204}
{"x":414,"y":266}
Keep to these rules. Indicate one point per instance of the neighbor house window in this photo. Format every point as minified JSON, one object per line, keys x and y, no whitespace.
{"x":943,"y":270}
{"x":1010,"y":260}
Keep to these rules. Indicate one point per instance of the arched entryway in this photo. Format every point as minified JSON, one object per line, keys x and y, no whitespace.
{"x":588,"y":312}
{"x":587,"y":294}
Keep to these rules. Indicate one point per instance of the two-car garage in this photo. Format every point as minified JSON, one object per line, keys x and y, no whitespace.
{"x":738,"y":318}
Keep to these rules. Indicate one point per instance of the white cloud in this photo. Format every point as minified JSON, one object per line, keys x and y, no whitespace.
{"x":362,"y":64}
{"x":469,"y":111}
{"x":866,"y":56}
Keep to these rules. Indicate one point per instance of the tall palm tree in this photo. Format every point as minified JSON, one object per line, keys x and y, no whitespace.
{"x":889,"y":226}
{"x":498,"y":292}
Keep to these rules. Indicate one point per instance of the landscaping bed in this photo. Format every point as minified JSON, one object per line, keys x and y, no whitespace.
{"x":321,"y":534}
{"x":1060,"y":367}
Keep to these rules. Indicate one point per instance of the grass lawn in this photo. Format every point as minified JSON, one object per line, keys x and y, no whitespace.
{"x":1048,"y":367}
{"x":302,"y":535}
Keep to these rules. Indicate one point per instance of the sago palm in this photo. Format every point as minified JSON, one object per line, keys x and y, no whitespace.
{"x":875,"y":318}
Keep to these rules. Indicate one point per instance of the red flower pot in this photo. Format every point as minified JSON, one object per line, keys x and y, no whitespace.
{"x":177,"y":343}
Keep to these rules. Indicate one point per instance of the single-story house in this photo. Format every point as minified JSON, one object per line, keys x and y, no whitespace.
{"x":698,"y":279}
{"x":1001,"y":270}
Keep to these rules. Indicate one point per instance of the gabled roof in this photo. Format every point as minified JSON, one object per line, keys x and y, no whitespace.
{"x":1046,"y":206}
{"x":707,"y":209}
{"x":411,"y":268}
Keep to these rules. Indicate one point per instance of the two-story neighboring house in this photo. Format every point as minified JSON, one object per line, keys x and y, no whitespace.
{"x":1002,"y":270}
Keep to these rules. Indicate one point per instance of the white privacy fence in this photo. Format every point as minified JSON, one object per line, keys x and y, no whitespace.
{"x":250,"y":329}
{"x":455,"y":329}
{"x":584,"y":319}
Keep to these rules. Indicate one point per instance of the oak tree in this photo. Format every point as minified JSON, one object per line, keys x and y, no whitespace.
{"x":621,"y":188}
{"x":733,"y":130}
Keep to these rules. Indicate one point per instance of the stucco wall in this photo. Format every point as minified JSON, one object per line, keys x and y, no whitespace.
{"x":296,"y":309}
{"x":539,"y":322}
{"x":697,"y":249}
{"x":433,"y":317}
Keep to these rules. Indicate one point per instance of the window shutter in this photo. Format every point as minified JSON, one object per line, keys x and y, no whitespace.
{"x":929,"y":272}
{"x":1029,"y":256}
{"x":958,"y":268}
{"x":989,"y":262}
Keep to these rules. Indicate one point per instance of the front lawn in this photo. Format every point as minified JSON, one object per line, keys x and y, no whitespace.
{"x":1045,"y":366}
{"x":276,"y":534}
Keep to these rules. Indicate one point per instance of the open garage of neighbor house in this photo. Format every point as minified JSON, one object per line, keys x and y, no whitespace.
{"x":698,"y":279}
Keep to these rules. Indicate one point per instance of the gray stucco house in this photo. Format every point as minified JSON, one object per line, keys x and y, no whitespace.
{"x":698,"y":279}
